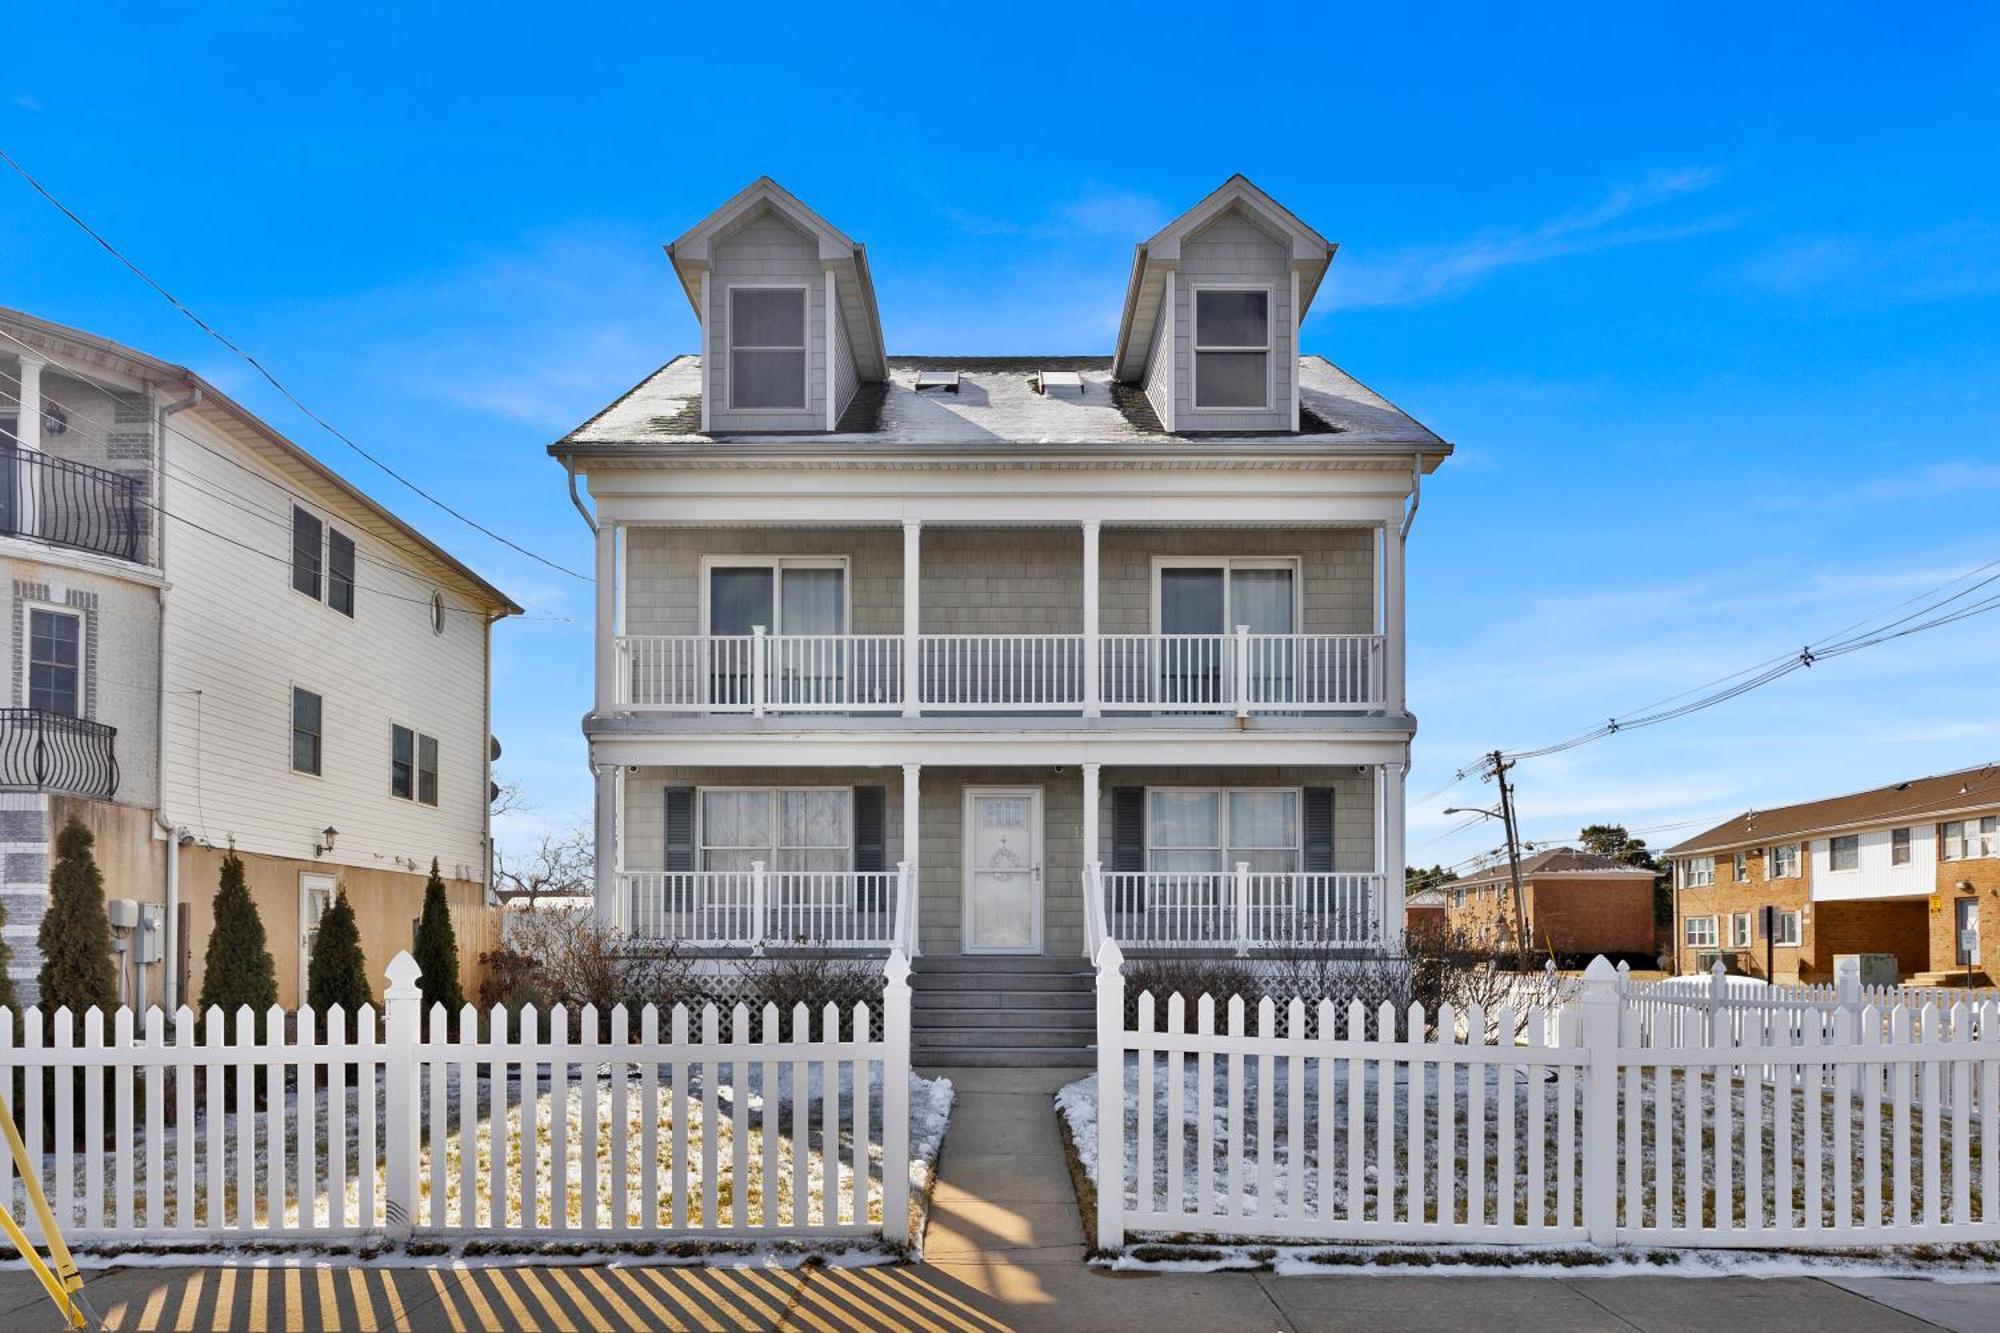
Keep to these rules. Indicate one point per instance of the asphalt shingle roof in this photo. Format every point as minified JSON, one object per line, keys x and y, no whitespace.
{"x":1945,"y":793}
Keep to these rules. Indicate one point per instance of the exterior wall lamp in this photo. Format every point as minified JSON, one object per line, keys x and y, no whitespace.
{"x":325,"y":843}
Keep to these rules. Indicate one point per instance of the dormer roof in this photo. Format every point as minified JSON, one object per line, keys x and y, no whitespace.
{"x":846,"y":258}
{"x":1311,"y":253}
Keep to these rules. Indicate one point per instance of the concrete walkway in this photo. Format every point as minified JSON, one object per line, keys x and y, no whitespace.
{"x":1005,"y":1251}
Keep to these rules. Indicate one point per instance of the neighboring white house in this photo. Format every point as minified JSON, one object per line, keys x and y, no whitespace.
{"x":996,"y":657}
{"x":217,"y":641}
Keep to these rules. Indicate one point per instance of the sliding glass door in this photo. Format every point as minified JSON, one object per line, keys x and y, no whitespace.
{"x":1200,"y":606}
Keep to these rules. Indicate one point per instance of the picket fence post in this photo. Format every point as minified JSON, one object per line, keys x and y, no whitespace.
{"x":1601,"y":1005}
{"x":1110,"y":1096}
{"x":403,"y":1009}
{"x":896,"y":1099}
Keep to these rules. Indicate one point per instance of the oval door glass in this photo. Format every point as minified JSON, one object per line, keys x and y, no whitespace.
{"x":1004,"y":883}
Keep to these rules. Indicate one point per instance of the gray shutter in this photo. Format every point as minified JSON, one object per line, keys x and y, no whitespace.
{"x":1317,"y":819}
{"x":680,"y":828}
{"x":870,"y":837}
{"x":1128,"y":828}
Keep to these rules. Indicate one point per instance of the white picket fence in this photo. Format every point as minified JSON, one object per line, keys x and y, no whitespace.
{"x":572,"y":1124}
{"x":1600,"y":1121}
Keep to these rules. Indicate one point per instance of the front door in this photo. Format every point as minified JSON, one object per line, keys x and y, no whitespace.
{"x":1003,"y":870}
{"x":315,"y":897}
{"x":1967,"y":938}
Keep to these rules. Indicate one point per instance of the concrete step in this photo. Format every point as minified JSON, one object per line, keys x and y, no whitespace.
{"x":1013,"y":1057}
{"x":996,"y":1038}
{"x":955,"y":998}
{"x":964,"y":962}
{"x":1009,"y":981}
{"x":1079,"y":1020}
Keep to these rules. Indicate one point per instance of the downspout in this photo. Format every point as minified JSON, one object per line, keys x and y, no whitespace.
{"x":569,"y":466}
{"x":1416,"y":497}
{"x":169,"y":928}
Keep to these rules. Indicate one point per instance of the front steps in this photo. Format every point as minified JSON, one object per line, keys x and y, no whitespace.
{"x":1002,"y":1011}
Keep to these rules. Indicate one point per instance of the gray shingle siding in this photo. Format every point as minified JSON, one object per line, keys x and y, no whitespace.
{"x":845,"y":379}
{"x":765,"y":251}
{"x":1233,"y":250}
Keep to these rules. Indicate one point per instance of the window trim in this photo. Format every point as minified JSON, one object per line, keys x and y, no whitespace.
{"x":729,"y":348}
{"x":324,"y":577}
{"x":1746,"y":937}
{"x":1222,"y":825}
{"x":1269,"y":349}
{"x":777,"y":819}
{"x":1739,"y":868}
{"x":28,"y":608}
{"x":332,"y":576}
{"x":1974,"y":841}
{"x":1687,"y":932}
{"x":1833,"y":869}
{"x":318,"y":590}
{"x":1688,"y":872}
{"x":1771,"y":860}
{"x":319,"y":737}
{"x":436,"y":769}
{"x":1790,"y":923}
{"x":1902,"y":846}
{"x":778,"y":564}
{"x":417,"y":739}
{"x":1228,"y":564}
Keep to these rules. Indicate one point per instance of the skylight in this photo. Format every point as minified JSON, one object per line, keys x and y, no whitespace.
{"x":943,"y":380}
{"x":1068,"y":381}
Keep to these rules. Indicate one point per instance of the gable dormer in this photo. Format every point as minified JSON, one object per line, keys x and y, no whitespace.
{"x":789,"y":327}
{"x":1212,"y":310}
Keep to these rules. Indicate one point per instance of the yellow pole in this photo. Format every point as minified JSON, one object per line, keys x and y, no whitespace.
{"x":65,"y":1283}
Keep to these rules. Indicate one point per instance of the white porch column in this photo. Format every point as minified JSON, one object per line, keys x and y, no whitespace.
{"x":29,"y":429}
{"x":913,"y":531}
{"x":913,"y":841}
{"x":28,"y":432}
{"x":607,"y":619}
{"x":1389,"y":782}
{"x":1092,"y":791}
{"x":604,"y":891}
{"x":1092,"y":678}
{"x":1392,"y":618}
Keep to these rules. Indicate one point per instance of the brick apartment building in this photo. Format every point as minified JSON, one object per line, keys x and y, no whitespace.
{"x":1907,"y":869}
{"x":1575,"y":902}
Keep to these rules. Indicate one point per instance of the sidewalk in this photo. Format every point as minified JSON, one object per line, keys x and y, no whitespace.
{"x":1005,"y":1251}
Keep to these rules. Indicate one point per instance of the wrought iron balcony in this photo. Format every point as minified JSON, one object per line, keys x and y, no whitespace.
{"x":70,"y":504}
{"x":44,"y":751}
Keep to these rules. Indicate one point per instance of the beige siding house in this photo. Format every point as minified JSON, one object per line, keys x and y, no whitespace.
{"x":994,"y":659}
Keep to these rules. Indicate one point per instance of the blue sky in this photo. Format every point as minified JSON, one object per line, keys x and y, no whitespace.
{"x":1709,"y":300}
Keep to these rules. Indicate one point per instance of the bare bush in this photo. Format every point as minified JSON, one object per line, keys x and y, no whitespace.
{"x":812,"y":979}
{"x":1189,"y":978}
{"x":564,"y":955}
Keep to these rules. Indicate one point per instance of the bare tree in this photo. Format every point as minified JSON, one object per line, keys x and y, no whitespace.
{"x":561,"y":864}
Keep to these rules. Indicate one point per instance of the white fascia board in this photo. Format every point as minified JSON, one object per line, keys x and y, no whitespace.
{"x":1001,"y":748}
{"x":834,"y":509}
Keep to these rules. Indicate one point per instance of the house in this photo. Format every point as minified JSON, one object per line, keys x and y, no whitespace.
{"x":1574,"y":902}
{"x":217,"y":641}
{"x":998,"y":657}
{"x":1424,"y":912}
{"x":1905,"y":869}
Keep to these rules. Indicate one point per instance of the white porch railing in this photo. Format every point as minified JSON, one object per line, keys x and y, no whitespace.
{"x":1240,"y":909}
{"x":1239,"y":673}
{"x":762,"y":908}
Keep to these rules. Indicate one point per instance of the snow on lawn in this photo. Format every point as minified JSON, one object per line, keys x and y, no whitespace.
{"x":930,"y":1109}
{"x":1321,"y":1187}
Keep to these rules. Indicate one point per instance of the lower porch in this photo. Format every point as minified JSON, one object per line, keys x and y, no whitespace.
{"x":1022,"y":861}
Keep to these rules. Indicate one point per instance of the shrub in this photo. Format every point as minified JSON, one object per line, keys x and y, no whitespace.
{"x":237,"y":968}
{"x":564,"y":955}
{"x":436,"y":950}
{"x":1189,"y":978}
{"x":337,"y":972}
{"x":6,"y":964}
{"x":75,"y":937}
{"x":814,"y":980}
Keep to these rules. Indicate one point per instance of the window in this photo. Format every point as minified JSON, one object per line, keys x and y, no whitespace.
{"x":340,"y":572}
{"x":437,"y":613}
{"x":1700,"y":872}
{"x":413,"y":765}
{"x":1232,"y":348}
{"x":306,"y":535}
{"x":427,"y":770}
{"x":1899,"y":847}
{"x":306,"y":710}
{"x":1458,"y":898}
{"x":1212,"y":830}
{"x":1700,"y":932}
{"x":55,"y":661}
{"x":1787,"y":933}
{"x":1784,"y":861}
{"x":786,"y":828}
{"x":1964,"y":838}
{"x":1741,"y":869}
{"x":1203,"y":596}
{"x":794,"y":595}
{"x":767,"y":348}
{"x":1739,"y":930}
{"x":1844,"y":852}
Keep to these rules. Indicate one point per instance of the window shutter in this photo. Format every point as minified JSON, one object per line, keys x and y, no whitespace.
{"x":680,"y":828}
{"x":1128,"y":828}
{"x":1318,"y":824}
{"x":870,"y":838}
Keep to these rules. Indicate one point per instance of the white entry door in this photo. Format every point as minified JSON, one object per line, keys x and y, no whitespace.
{"x":315,"y":897}
{"x":1003,"y":870}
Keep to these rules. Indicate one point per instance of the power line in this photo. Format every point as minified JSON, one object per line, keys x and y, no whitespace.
{"x":275,"y":382}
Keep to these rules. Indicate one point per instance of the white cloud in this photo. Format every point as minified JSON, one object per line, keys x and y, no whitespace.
{"x":1428,"y":273}
{"x":1938,"y":264}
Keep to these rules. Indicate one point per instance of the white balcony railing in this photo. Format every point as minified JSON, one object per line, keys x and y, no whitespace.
{"x":1239,"y":673}
{"x":1238,"y":909}
{"x":761,"y":908}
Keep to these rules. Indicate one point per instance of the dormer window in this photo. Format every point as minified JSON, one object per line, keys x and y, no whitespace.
{"x":767,"y":348}
{"x":1232,"y":347}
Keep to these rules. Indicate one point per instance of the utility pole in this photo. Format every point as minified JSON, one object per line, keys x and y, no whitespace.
{"x":1500,"y":767}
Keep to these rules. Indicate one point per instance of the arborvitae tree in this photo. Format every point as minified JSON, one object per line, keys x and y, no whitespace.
{"x":6,"y":964}
{"x":75,"y":938}
{"x":436,"y":949}
{"x":237,"y":969}
{"x":337,"y":973}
